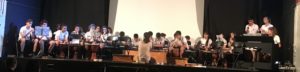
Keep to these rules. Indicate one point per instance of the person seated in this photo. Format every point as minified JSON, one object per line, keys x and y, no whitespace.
{"x":220,"y":45}
{"x":158,"y":42}
{"x":251,"y":27}
{"x":231,"y":42}
{"x":189,"y":43}
{"x":43,"y":35}
{"x":203,"y":48}
{"x":106,"y":32}
{"x":77,"y":33}
{"x":265,"y":27}
{"x":204,"y":43}
{"x":166,"y":41}
{"x":97,"y":34}
{"x":177,"y":45}
{"x":228,"y":54}
{"x":26,"y":35}
{"x":90,"y":39}
{"x":123,"y":41}
{"x":221,"y":42}
{"x":76,"y":37}
{"x":62,"y":38}
{"x":135,"y":41}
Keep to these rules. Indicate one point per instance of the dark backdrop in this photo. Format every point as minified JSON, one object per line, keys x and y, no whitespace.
{"x":70,"y":12}
{"x":18,"y":11}
{"x":75,"y":12}
{"x":225,"y":16}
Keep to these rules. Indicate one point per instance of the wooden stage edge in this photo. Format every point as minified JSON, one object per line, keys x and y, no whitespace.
{"x":60,"y":65}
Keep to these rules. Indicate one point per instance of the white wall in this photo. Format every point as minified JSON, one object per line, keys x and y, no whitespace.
{"x":139,"y":16}
{"x":2,"y":22}
{"x":297,"y":37}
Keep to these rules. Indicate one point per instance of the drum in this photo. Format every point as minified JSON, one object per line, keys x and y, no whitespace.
{"x":176,"y":52}
{"x":191,"y":55}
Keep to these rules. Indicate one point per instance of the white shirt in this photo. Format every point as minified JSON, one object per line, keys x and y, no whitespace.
{"x":203,"y":41}
{"x":187,"y":45}
{"x":253,"y":29}
{"x":89,"y":35}
{"x":144,"y":50}
{"x":105,"y":36}
{"x":25,"y":31}
{"x":158,"y":42}
{"x":61,"y":35}
{"x":276,"y":39}
{"x":136,"y":43}
{"x":265,"y":28}
{"x":223,"y":40}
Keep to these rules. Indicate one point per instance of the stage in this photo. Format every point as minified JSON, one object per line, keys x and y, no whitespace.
{"x":72,"y":65}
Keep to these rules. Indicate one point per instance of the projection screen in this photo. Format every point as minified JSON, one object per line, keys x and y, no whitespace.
{"x":167,"y":16}
{"x":2,"y":23}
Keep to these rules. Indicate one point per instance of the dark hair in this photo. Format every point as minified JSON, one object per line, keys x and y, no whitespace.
{"x":122,"y":33}
{"x":146,"y":37}
{"x":163,"y":34}
{"x":43,"y":21}
{"x":58,"y":26}
{"x":178,"y":32}
{"x":268,"y":18}
{"x":29,"y":20}
{"x":150,"y":33}
{"x":250,"y":19}
{"x":62,"y":26}
{"x":109,"y":28}
{"x":135,"y":35}
{"x":205,"y":33}
{"x":80,"y":28}
{"x":274,"y":30}
{"x":92,"y":25}
{"x":158,"y":35}
{"x":187,"y":37}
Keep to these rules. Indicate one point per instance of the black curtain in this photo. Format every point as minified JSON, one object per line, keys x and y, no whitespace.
{"x":75,"y":12}
{"x":225,"y":16}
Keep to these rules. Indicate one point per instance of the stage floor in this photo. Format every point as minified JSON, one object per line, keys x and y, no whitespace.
{"x":75,"y":65}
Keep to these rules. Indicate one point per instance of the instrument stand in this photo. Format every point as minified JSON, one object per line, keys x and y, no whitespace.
{"x":252,"y":67}
{"x":236,"y":60}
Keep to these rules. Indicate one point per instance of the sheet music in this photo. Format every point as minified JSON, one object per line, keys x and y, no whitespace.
{"x":42,"y":31}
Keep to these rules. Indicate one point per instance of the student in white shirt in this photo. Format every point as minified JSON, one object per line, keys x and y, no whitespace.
{"x":189,"y":42}
{"x":205,"y":42}
{"x":158,"y":42}
{"x":26,"y":32}
{"x":106,"y":32}
{"x":62,"y":36}
{"x":144,"y":49}
{"x":267,"y":24}
{"x":90,"y":38}
{"x":42,"y":38}
{"x":136,"y":40}
{"x":90,"y":35}
{"x":251,"y":27}
{"x":177,"y":45}
{"x":277,"y":50}
{"x":273,"y":33}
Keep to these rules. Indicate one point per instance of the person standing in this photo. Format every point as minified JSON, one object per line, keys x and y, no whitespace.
{"x":144,"y":49}
{"x":267,"y":24}
{"x":251,"y":27}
